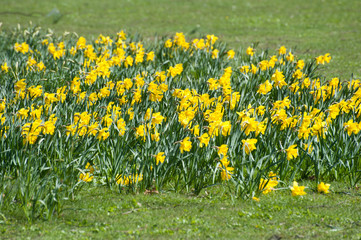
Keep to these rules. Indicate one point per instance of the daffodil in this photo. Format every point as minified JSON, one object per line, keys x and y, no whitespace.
{"x":222,"y":150}
{"x":215,"y":53}
{"x":227,"y":173}
{"x":249,"y":145}
{"x":87,"y":176}
{"x":282,"y":50}
{"x":4,"y":67}
{"x":322,"y":187}
{"x":185,"y":145}
{"x":103,"y":134}
{"x":297,"y":190}
{"x":230,"y":54}
{"x":268,"y":185}
{"x":250,"y":51}
{"x":292,"y":152}
{"x":265,"y":88}
{"x":160,"y":157}
{"x":203,"y":140}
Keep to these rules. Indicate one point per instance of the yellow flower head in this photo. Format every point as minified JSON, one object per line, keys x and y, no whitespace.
{"x":322,"y":187}
{"x":150,"y":56}
{"x":204,"y":140}
{"x":168,"y":43}
{"x":230,"y":54}
{"x":297,"y":190}
{"x":81,"y":44}
{"x":292,"y":152}
{"x":157,"y":118}
{"x":250,"y":51}
{"x":215,"y":53}
{"x":176,"y":70}
{"x":282,"y":50}
{"x":88,"y":176}
{"x":267,"y":185}
{"x":160,"y":157}
{"x":185,"y":145}
{"x":265,"y":88}
{"x":256,"y":199}
{"x":103,"y":134}
{"x":249,"y":145}
{"x":122,"y":35}
{"x":4,"y":67}
{"x":308,"y":148}
{"x":222,"y":150}
{"x":141,"y":131}
{"x":226,"y":174}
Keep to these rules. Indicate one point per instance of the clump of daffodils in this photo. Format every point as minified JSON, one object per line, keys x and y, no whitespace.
{"x":193,"y":110}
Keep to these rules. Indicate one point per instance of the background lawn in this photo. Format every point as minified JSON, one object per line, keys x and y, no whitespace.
{"x":310,"y":27}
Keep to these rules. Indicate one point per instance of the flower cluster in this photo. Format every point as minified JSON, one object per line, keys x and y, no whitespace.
{"x":194,"y":112}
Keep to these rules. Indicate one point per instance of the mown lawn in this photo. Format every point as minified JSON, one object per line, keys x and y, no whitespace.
{"x":99,"y":213}
{"x":310,"y":27}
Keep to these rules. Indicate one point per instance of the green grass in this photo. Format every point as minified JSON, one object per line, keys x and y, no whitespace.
{"x":311,"y":27}
{"x":103,"y":214}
